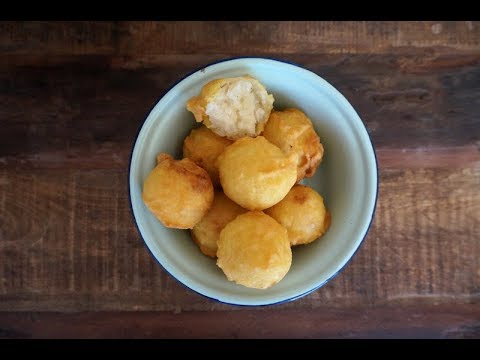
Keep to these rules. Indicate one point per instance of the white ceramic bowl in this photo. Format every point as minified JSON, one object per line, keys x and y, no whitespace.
{"x":347,"y":179}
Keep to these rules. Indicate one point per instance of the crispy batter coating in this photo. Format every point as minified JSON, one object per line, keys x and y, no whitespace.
{"x":204,"y":146}
{"x":292,"y":131}
{"x":233,"y":107}
{"x":255,"y":173}
{"x":302,"y":212}
{"x":178,"y":192}
{"x":207,"y":232}
{"x":254,"y":251}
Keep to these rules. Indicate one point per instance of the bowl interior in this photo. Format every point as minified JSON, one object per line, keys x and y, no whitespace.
{"x":346,"y":178}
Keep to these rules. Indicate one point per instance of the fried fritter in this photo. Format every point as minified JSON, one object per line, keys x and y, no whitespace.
{"x":292,"y":131}
{"x":207,"y":232}
{"x":204,"y":146}
{"x":255,"y":173}
{"x":302,"y":212}
{"x":178,"y":192}
{"x":233,"y":107}
{"x":254,"y":251}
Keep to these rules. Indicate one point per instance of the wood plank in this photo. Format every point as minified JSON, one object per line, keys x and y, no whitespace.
{"x":289,"y":37}
{"x":68,"y":243}
{"x":461,"y":321}
{"x":429,"y":157}
{"x":66,"y":114}
{"x":57,"y":37}
{"x":137,"y":39}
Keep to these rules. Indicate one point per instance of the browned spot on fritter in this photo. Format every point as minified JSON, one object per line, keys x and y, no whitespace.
{"x":300,"y":198}
{"x":199,"y":178}
{"x":201,"y":182}
{"x":162,"y":157}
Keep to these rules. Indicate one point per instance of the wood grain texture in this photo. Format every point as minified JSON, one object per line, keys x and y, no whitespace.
{"x":137,"y":39}
{"x":74,"y":95}
{"x":87,"y":108}
{"x":461,"y":322}
{"x":77,"y":248}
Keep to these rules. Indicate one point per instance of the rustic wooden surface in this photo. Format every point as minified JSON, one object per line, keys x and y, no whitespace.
{"x":74,"y":95}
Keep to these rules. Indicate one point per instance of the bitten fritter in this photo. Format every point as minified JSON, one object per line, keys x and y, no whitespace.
{"x":178,"y":192}
{"x":302,"y":212}
{"x":292,"y":131}
{"x":204,"y":146}
{"x":233,"y":107}
{"x":207,"y":232}
{"x":255,"y":173}
{"x":254,"y":251}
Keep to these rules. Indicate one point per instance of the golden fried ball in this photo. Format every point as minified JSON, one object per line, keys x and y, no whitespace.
{"x":292,"y":131}
{"x":178,"y":192}
{"x":254,"y":251}
{"x":302,"y":212}
{"x":207,"y":232}
{"x":233,"y":107}
{"x":204,"y":146}
{"x":255,"y":173}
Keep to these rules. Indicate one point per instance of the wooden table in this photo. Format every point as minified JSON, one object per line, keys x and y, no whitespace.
{"x":74,"y":95}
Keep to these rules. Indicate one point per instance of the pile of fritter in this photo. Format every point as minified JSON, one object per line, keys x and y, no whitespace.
{"x":237,"y":187}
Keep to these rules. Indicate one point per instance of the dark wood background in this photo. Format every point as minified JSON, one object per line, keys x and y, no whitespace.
{"x":73,"y":96}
